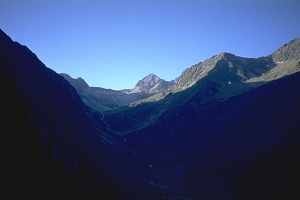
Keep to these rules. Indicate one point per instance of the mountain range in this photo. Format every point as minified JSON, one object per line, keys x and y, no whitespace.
{"x":226,"y":128}
{"x":101,"y":99}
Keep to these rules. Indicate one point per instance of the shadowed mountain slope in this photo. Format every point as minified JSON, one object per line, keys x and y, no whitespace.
{"x":44,"y":126}
{"x":217,"y":149}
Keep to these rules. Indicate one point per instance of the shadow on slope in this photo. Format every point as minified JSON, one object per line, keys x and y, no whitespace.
{"x":202,"y":148}
{"x":47,"y":138}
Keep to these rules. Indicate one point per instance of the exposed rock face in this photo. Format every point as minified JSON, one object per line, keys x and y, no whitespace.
{"x":228,"y":67}
{"x":191,"y":75}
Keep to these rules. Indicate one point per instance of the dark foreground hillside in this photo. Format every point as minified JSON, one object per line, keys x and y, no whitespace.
{"x":27,"y":171}
{"x":45,"y":133}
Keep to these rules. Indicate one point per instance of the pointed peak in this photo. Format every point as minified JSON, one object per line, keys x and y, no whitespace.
{"x":226,"y":55}
{"x":151,"y":75}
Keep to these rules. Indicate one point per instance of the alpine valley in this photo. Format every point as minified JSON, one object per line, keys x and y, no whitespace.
{"x":226,"y":128}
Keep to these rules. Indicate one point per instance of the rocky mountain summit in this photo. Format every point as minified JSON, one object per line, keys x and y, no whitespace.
{"x":152,"y":84}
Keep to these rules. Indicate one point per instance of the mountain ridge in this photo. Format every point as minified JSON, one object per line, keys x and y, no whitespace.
{"x":238,"y":69}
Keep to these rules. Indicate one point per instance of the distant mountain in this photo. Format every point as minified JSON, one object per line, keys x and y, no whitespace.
{"x":102,"y":99}
{"x":152,"y":84}
{"x":228,"y":129}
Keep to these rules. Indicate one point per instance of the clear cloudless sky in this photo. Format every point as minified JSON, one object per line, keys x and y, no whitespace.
{"x":113,"y":44}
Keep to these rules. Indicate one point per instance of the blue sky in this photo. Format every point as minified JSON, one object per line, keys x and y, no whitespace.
{"x":115,"y":44}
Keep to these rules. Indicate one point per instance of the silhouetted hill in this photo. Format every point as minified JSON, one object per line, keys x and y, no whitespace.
{"x":44,"y":126}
